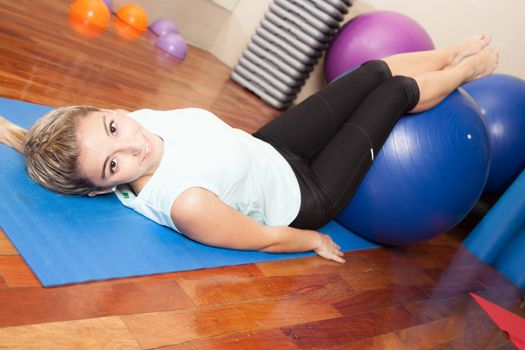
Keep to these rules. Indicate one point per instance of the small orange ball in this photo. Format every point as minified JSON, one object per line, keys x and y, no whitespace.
{"x":83,"y":26}
{"x":93,"y":11}
{"x":134,"y":15}
{"x":125,"y":30}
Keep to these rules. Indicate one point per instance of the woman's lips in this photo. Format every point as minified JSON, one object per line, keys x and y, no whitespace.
{"x":147,"y":147}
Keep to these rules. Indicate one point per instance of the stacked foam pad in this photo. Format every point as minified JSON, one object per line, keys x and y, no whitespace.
{"x":286,"y":46}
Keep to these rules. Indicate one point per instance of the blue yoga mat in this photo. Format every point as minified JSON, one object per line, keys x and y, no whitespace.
{"x":67,"y":239}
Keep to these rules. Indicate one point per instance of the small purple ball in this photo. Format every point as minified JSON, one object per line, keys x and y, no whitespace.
{"x":163,"y":26}
{"x":109,"y":4}
{"x":174,"y":44}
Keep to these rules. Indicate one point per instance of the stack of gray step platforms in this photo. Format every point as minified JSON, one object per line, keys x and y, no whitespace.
{"x":286,"y":46}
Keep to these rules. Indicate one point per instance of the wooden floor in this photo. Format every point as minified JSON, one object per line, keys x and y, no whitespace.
{"x":413,"y":297}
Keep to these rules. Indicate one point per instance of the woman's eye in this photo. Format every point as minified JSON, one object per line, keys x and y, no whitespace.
{"x":113,"y":166}
{"x":112,"y":127}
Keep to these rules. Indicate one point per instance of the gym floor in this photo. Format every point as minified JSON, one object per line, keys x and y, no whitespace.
{"x":412,"y":297}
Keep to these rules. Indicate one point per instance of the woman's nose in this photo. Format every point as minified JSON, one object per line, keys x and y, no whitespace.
{"x":133,"y":145}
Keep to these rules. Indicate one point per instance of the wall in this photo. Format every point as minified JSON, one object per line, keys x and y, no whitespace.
{"x":199,"y":21}
{"x":207,"y":25}
{"x":448,"y":21}
{"x":225,"y":34}
{"x":227,"y":4}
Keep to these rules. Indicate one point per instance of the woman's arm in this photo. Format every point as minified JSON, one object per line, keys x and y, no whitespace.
{"x":203,"y":217}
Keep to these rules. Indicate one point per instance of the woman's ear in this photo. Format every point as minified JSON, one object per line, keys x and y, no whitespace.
{"x":96,"y":193}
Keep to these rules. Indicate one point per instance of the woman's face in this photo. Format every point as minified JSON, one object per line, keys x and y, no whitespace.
{"x":115,"y":149}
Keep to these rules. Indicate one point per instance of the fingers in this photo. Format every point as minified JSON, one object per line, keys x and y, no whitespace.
{"x":330,"y":250}
{"x":337,"y":254}
{"x":338,"y":258}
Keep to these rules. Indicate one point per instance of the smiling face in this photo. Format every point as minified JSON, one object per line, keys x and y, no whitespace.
{"x":115,"y":149}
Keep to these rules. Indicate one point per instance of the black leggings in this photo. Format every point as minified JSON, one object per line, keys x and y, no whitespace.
{"x":331,"y":138}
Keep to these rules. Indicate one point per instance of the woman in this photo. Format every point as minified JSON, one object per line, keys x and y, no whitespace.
{"x":269,"y":191}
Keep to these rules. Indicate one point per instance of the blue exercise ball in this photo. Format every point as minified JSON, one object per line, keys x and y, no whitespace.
{"x":429,"y":174}
{"x":501,"y":99}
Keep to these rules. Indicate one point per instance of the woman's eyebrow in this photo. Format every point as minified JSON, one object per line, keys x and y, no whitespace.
{"x":105,"y":124}
{"x":107,"y":159}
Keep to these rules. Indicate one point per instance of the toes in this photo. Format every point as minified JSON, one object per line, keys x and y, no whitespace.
{"x":480,"y":41}
{"x":485,"y":39}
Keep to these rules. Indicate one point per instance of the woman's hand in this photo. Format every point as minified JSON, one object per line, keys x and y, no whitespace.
{"x":328,"y":249}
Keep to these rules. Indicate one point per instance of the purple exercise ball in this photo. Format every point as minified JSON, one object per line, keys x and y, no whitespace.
{"x":372,"y":36}
{"x":174,"y":44}
{"x":163,"y":26}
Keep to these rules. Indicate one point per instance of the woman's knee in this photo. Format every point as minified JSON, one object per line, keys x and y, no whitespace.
{"x":406,"y":87}
{"x":379,"y":68}
{"x":371,"y":73}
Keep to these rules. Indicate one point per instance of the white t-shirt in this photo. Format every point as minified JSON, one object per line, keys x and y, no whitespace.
{"x":200,"y":150}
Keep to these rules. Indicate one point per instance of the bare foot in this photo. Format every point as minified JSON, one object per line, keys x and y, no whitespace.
{"x":469,"y":47}
{"x":482,"y":64}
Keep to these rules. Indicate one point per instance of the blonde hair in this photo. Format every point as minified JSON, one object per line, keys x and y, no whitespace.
{"x":51,"y":149}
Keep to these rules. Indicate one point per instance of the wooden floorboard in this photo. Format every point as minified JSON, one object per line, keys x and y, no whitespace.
{"x":257,"y":340}
{"x":238,"y":290}
{"x":16,"y":273}
{"x":412,"y":297}
{"x":6,"y":248}
{"x":98,"y":333}
{"x":165,"y":328}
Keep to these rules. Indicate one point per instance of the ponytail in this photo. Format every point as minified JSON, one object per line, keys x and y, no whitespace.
{"x":12,"y":135}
